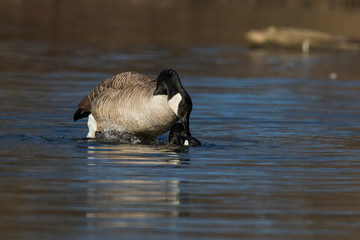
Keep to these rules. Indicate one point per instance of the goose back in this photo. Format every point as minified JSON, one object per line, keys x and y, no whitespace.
{"x":118,"y":82}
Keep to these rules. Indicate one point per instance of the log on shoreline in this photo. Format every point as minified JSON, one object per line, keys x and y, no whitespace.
{"x":304,"y":39}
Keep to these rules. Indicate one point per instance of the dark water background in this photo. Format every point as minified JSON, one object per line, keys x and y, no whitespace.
{"x":280,"y":129}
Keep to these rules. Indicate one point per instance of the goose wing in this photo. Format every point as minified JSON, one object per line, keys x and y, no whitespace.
{"x":118,"y":82}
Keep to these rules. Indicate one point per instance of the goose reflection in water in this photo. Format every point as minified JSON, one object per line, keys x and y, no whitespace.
{"x":138,"y":154}
{"x":122,"y":191}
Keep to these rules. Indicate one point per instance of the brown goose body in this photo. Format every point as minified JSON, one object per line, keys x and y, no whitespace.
{"x":126,"y":102}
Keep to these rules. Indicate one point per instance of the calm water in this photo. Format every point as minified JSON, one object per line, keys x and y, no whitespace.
{"x":280,"y":156}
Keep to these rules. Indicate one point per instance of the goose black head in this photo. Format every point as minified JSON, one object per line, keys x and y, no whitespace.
{"x":179,"y":136}
{"x":168,"y":83}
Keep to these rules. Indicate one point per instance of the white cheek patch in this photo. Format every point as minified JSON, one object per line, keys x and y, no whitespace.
{"x":174,"y":103}
{"x":186,"y":143}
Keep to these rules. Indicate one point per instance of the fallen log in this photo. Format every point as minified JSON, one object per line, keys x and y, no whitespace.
{"x":304,"y":39}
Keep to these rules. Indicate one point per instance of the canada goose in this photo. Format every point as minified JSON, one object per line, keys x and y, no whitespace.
{"x":141,"y":105}
{"x":179,"y":136}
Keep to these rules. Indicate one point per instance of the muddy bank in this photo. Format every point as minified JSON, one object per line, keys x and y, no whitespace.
{"x":113,"y":23}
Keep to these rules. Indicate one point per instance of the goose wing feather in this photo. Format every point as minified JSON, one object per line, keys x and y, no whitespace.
{"x":118,"y":82}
